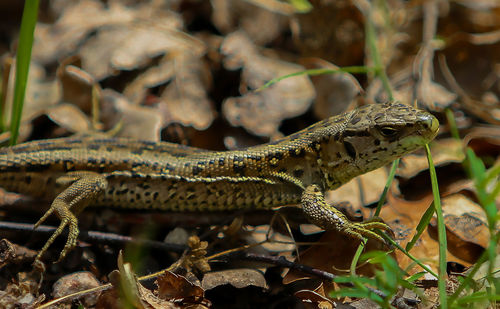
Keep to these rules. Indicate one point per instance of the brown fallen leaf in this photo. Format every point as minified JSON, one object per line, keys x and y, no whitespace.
{"x":466,"y":227}
{"x":336,"y":93}
{"x":76,"y":22}
{"x":142,"y":123}
{"x":123,"y":38}
{"x":466,"y":219}
{"x":278,"y":243}
{"x":285,"y":99}
{"x":484,"y":140}
{"x":239,"y":278}
{"x":403,"y":217}
{"x":40,"y":93}
{"x":443,"y":151}
{"x":252,"y":16}
{"x":134,"y":45}
{"x":128,"y":291}
{"x":76,"y":84}
{"x":7,"y":252}
{"x":333,"y":253}
{"x":20,"y":295}
{"x":158,"y":74}
{"x":361,"y":191}
{"x":69,"y":117}
{"x":185,"y":99}
{"x":432,"y":94}
{"x":178,"y":289}
{"x":315,"y":299}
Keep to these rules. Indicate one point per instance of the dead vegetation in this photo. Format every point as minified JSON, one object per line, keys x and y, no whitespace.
{"x":186,"y":72}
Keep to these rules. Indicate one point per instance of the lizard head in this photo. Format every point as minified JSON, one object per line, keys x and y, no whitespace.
{"x":373,"y":136}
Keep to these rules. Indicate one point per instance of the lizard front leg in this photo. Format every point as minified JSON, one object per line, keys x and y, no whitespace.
{"x":319,"y":212}
{"x":82,"y":188}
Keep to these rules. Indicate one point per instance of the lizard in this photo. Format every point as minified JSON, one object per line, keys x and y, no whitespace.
{"x":75,"y":172}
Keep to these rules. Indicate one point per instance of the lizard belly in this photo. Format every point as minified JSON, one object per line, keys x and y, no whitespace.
{"x":182,"y":195}
{"x":35,"y":184}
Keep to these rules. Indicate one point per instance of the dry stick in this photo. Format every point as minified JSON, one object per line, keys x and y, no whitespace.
{"x":100,"y":237}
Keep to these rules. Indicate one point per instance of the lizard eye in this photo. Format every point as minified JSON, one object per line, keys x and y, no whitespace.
{"x":388,"y":131}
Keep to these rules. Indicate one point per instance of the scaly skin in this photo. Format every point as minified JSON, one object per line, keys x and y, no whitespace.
{"x":77,"y":172}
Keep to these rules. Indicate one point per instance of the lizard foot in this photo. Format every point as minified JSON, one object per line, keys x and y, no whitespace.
{"x":83,"y":187}
{"x":67,"y":219}
{"x":319,"y":212}
{"x":363,"y":229}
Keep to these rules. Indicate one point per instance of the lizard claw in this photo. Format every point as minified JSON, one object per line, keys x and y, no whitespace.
{"x":67,"y":219}
{"x":83,"y":187}
{"x":327,"y":217}
{"x":366,"y":229}
{"x":44,"y":217}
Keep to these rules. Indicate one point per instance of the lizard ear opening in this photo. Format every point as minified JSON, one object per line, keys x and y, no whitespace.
{"x":351,"y":151}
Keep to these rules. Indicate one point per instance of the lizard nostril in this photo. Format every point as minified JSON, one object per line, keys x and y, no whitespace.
{"x":429,"y":121}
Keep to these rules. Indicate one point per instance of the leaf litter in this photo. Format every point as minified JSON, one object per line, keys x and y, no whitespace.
{"x":153,"y":66}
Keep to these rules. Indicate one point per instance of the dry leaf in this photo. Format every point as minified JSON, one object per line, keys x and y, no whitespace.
{"x":361,"y":191}
{"x":76,"y":85}
{"x":53,"y":42}
{"x":466,"y":219}
{"x":335,"y":92}
{"x":443,"y":151}
{"x":139,"y":122}
{"x":178,"y":289}
{"x":278,"y":243}
{"x":185,"y":99}
{"x":40,"y":93}
{"x":403,"y":217}
{"x":20,"y":295}
{"x":156,"y":75}
{"x":252,"y":17}
{"x":316,"y":298}
{"x":333,"y":253}
{"x":135,"y":46}
{"x":239,"y":278}
{"x":71,"y":118}
{"x":285,"y":99}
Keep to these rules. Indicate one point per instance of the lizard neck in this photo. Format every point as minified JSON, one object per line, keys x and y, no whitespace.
{"x":335,"y":162}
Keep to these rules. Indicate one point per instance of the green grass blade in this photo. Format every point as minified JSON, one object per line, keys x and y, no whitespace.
{"x":379,"y":70}
{"x":414,"y":259}
{"x":301,"y":6}
{"x":314,"y":72}
{"x":477,"y":297}
{"x":388,"y":183}
{"x":371,"y":41}
{"x":441,"y":231}
{"x":357,"y":256}
{"x":422,"y":225}
{"x":22,"y":64}
{"x":452,"y":123}
{"x":415,"y":276}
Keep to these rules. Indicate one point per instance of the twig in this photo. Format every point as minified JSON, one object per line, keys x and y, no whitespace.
{"x":94,"y":236}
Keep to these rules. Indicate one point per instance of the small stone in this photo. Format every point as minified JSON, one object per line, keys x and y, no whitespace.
{"x":76,"y":282}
